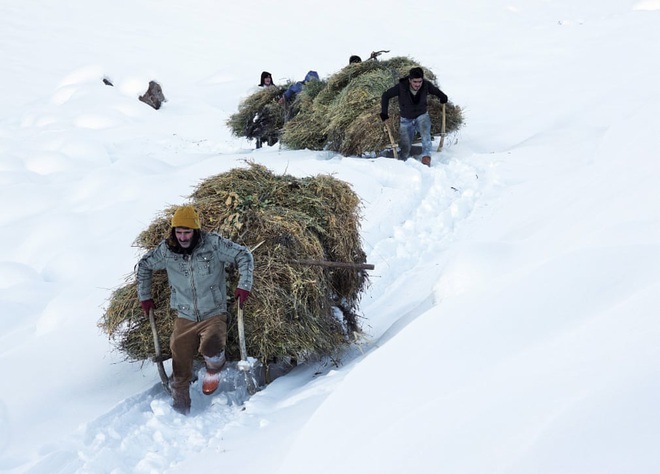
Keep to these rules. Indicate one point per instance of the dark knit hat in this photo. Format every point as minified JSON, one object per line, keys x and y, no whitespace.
{"x":416,"y":73}
{"x":186,"y":216}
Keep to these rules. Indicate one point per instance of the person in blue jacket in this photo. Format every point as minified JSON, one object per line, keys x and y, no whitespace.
{"x":291,"y":92}
{"x":413,"y":91}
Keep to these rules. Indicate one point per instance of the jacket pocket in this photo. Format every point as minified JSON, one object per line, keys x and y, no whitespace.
{"x":204,"y":263}
{"x":217,"y":296}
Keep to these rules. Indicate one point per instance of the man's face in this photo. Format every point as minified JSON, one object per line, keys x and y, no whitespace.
{"x":416,"y":83}
{"x":184,"y":236}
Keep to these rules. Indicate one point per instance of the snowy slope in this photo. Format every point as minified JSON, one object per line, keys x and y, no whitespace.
{"x":510,"y":324}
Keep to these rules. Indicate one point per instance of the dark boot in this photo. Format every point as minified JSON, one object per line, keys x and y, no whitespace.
{"x":181,"y":400}
{"x":426,"y":160}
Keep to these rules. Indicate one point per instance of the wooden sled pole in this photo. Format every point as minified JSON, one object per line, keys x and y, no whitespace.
{"x":442,"y":130}
{"x":159,"y":356}
{"x":389,"y":134}
{"x":244,"y":365}
{"x":325,"y":263}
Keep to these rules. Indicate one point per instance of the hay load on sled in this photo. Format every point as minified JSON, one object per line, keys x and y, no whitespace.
{"x":339,"y":113}
{"x":297,"y":310}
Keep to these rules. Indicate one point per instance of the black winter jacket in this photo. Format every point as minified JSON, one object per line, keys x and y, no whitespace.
{"x":411,"y":106}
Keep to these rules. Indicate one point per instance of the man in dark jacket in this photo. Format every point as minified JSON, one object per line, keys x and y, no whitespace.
{"x":195,"y":264}
{"x":413,"y":91}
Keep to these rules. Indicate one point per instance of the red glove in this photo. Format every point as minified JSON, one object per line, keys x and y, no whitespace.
{"x":241,"y":296}
{"x":147,"y":305}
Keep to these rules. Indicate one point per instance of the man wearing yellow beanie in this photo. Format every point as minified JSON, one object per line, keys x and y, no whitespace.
{"x":195,"y":263}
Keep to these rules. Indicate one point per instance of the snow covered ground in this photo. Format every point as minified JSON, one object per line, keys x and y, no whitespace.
{"x":511,"y":324}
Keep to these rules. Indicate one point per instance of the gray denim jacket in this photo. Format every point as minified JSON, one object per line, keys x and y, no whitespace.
{"x":197,"y":281}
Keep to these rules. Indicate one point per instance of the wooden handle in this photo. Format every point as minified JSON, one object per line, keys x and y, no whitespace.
{"x":442,"y":130}
{"x":241,"y":332}
{"x":389,"y":133}
{"x":325,"y":263}
{"x":154,"y":333}
{"x":159,"y":356}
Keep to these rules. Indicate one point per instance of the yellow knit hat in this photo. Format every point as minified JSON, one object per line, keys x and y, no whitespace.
{"x":186,"y":216}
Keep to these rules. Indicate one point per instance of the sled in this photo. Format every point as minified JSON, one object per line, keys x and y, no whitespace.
{"x":247,"y":375}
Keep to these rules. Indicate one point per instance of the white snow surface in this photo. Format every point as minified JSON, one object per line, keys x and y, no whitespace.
{"x":511,"y":325}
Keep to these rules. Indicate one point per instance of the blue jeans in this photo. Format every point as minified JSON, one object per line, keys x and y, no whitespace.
{"x":407,"y":129}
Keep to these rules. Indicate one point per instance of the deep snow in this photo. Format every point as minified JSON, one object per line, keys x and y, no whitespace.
{"x":511,"y":322}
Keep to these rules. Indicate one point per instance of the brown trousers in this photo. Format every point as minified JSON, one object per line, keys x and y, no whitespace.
{"x":207,"y":337}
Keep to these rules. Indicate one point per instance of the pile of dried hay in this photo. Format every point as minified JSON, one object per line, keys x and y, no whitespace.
{"x":342,"y":113}
{"x":259,"y":116}
{"x":349,"y":105}
{"x":304,"y":129}
{"x":294,"y":311}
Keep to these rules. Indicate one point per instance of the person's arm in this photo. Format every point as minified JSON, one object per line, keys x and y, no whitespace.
{"x":245,"y":263}
{"x":385,"y":101}
{"x":293,"y":90}
{"x":433,"y":89}
{"x":152,"y":260}
{"x":241,"y":256}
{"x":231,"y":252}
{"x":290,"y":93}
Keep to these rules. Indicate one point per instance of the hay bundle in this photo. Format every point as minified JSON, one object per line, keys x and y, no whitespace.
{"x":338,"y":81}
{"x":344,"y":115}
{"x":296,"y":311}
{"x":126,"y":324}
{"x":341,"y":113}
{"x":305,"y":127}
{"x":259,"y":116}
{"x":353,"y":118}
